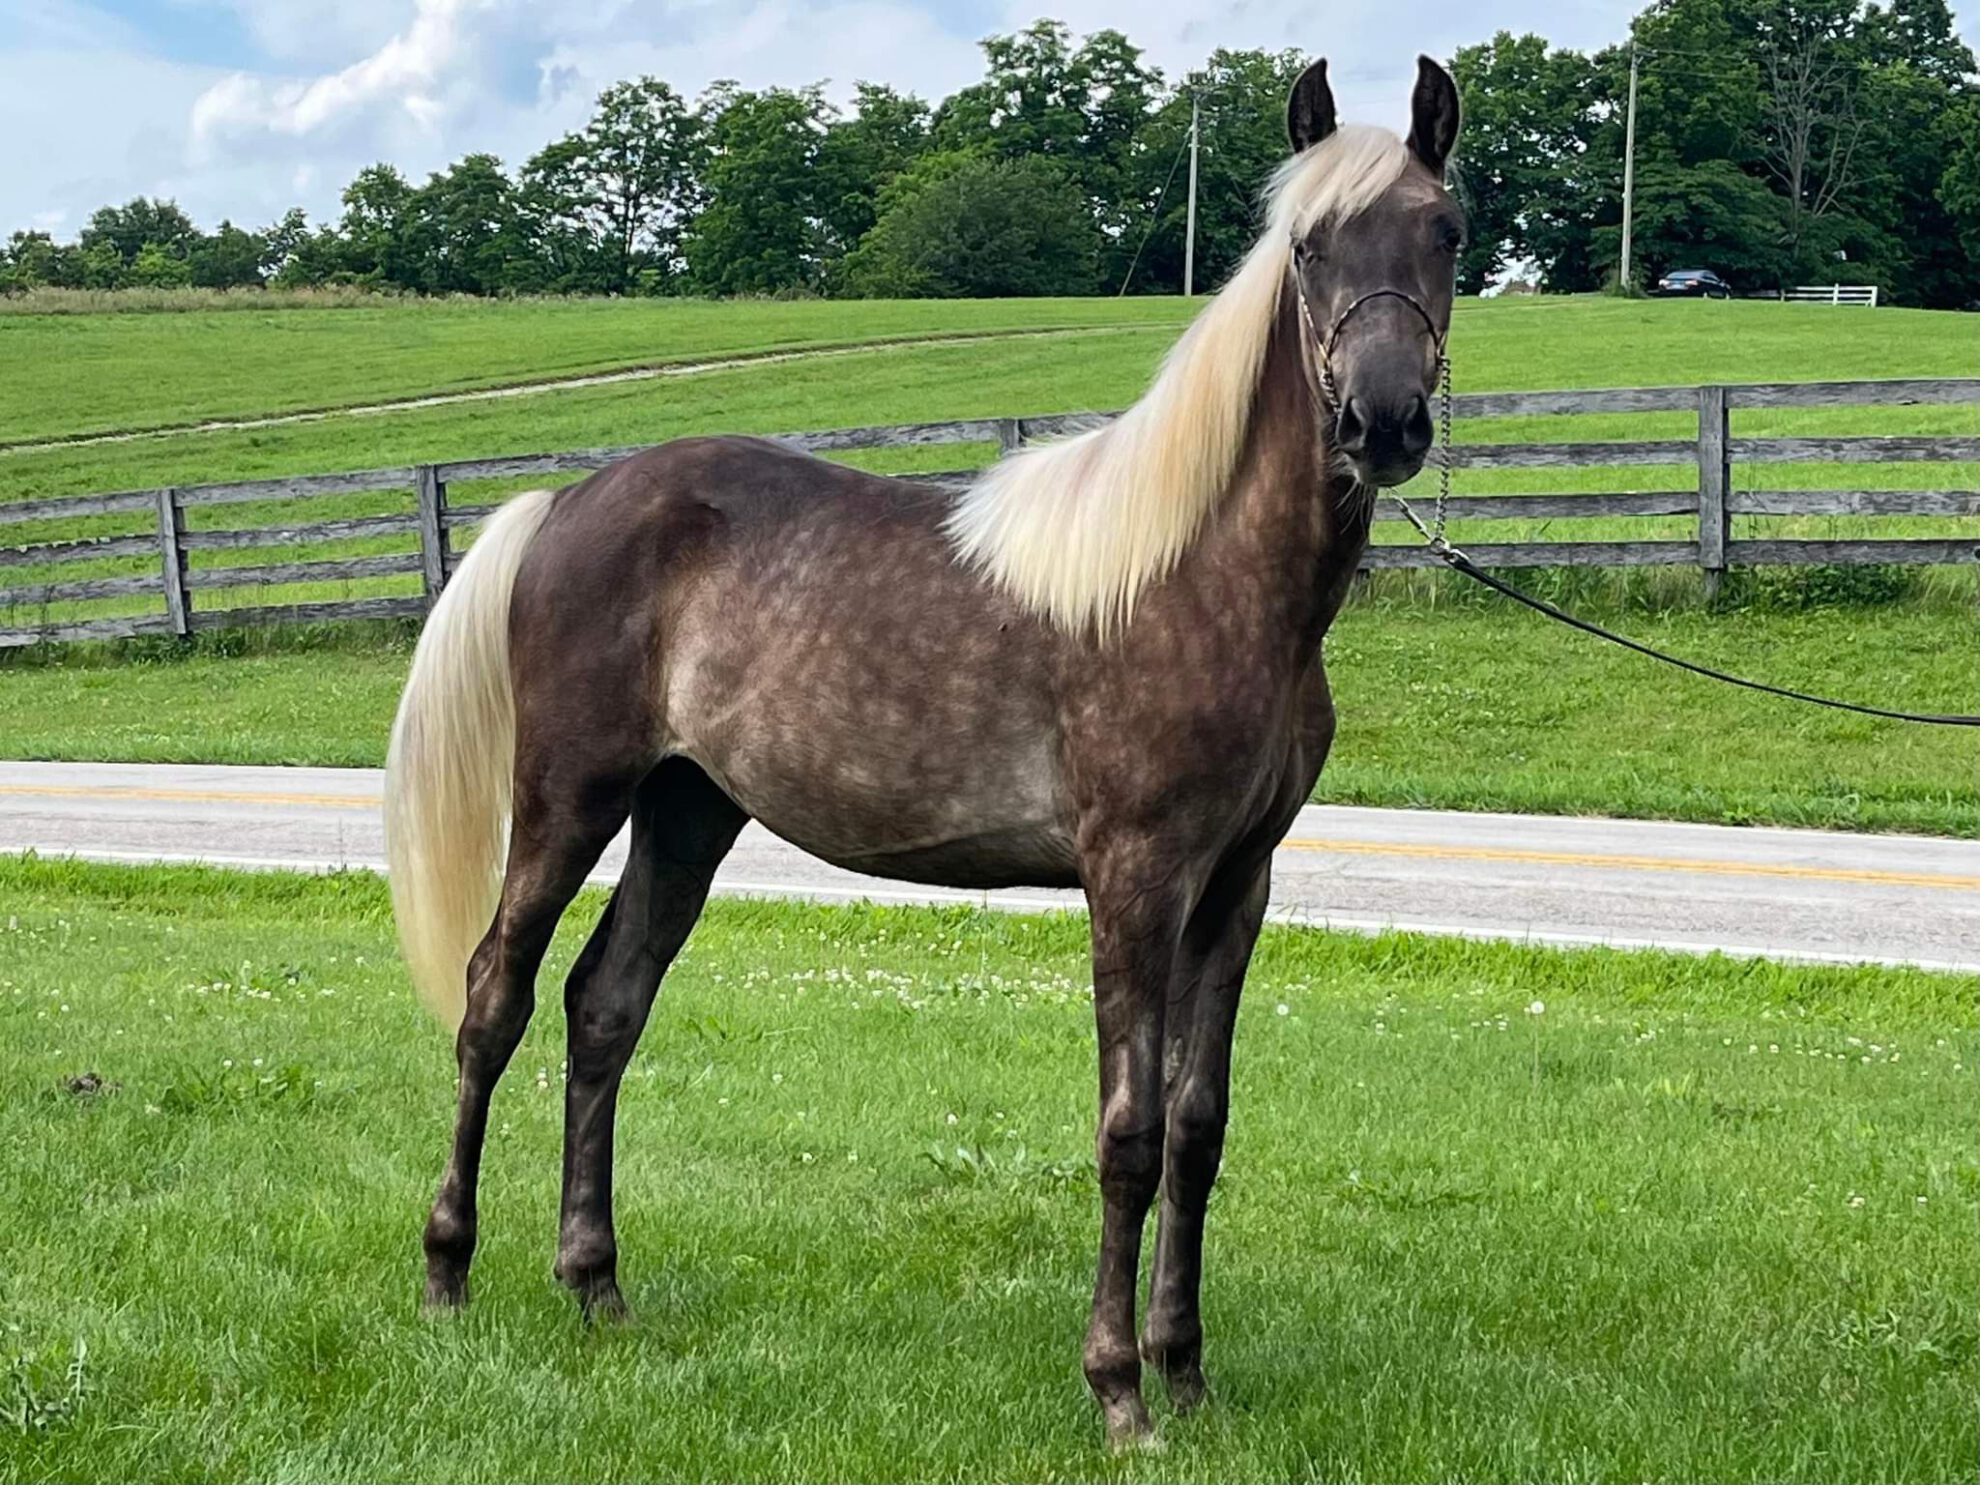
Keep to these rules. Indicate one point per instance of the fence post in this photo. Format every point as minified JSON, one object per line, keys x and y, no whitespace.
{"x":430,"y":501}
{"x":172,"y":560}
{"x":1714,"y":476}
{"x":1010,"y":434}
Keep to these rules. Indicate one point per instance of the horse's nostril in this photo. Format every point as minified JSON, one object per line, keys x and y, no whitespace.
{"x":1417,"y":431}
{"x":1352,"y":431}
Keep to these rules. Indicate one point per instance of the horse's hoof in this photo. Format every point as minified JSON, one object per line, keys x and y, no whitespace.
{"x":446,"y":1294}
{"x":1187,"y":1389}
{"x":602,"y":1304}
{"x":1129,"y":1428}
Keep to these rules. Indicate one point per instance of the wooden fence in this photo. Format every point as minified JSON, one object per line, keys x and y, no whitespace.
{"x":1708,"y":494}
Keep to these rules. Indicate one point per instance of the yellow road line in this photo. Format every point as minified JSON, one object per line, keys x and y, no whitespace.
{"x":1635,"y":863}
{"x":189,"y":796}
{"x":1295,"y":843}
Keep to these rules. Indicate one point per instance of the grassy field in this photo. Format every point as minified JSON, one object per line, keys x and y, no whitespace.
{"x":74,"y":374}
{"x":1693,"y":1220}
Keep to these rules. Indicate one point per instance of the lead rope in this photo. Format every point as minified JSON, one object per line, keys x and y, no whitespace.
{"x":1433,"y":537}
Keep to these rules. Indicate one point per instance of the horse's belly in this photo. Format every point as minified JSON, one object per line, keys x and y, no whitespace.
{"x":1025,"y":857}
{"x":991,"y":819}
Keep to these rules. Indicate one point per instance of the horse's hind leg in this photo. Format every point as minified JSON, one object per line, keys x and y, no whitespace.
{"x":563,"y":822}
{"x":682,"y":828}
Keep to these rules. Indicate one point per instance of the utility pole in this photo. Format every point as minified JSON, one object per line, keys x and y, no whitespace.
{"x":1629,"y":166}
{"x":1189,"y":230}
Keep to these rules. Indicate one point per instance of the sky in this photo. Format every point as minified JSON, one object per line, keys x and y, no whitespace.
{"x":244,"y":108}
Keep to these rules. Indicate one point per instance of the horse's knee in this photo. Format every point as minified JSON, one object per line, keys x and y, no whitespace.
{"x":1130,"y":1153}
{"x":604,"y":1029}
{"x":1197,"y":1116}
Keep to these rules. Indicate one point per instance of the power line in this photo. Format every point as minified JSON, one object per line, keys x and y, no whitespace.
{"x":1153,"y":217}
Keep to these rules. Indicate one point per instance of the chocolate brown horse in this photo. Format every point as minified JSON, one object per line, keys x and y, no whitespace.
{"x":1100,"y":666}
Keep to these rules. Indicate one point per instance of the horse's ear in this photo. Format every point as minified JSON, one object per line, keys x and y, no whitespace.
{"x":1310,"y":109}
{"x":1433,"y":116}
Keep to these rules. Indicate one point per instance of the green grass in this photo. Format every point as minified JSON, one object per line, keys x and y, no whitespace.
{"x":62,"y":375}
{"x":1698,"y":1220}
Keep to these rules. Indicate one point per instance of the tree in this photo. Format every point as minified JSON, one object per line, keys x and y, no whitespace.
{"x":156,"y":268}
{"x":1083,"y":107}
{"x":1712,"y":214}
{"x":761,"y":231}
{"x":283,"y":241}
{"x":1243,"y":100}
{"x":375,"y":228}
{"x":612,"y":201}
{"x":1529,"y":118}
{"x":463,"y":232}
{"x":964,"y":226}
{"x":229,"y":259}
{"x":126,"y":229}
{"x":1809,"y":125}
{"x":859,"y":157}
{"x":1959,"y":183}
{"x":35,"y":260}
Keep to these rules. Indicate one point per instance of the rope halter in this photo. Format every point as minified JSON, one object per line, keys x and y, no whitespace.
{"x":1323,"y":350}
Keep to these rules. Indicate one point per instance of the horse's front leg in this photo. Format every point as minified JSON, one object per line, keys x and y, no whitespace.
{"x":1216,"y":951}
{"x":1136,"y":927}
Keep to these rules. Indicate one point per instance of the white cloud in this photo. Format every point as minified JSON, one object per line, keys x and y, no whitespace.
{"x":319,"y":33}
{"x":409,"y":76}
{"x":508,"y":75}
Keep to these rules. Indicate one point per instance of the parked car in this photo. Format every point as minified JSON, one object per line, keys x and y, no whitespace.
{"x":1694,"y":283}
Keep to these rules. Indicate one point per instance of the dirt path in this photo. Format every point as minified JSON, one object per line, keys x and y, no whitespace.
{"x":549,"y":385}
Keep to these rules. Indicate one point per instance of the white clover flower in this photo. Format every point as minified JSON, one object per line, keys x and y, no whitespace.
{"x":1538,"y":1008}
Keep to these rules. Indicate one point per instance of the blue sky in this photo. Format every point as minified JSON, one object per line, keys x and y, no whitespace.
{"x":243,"y":108}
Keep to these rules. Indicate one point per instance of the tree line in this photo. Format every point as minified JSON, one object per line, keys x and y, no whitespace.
{"x":1778,"y":141}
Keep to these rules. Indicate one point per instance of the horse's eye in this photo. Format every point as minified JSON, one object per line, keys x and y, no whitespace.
{"x":1449,"y":238}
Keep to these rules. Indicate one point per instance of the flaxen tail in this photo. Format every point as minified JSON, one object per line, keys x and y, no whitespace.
{"x":449,"y":772}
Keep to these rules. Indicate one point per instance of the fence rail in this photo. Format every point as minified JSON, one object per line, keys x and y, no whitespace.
{"x":1864,"y":294}
{"x":430,"y":522}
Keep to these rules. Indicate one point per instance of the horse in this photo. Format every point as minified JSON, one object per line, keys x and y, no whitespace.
{"x":1099,"y":665}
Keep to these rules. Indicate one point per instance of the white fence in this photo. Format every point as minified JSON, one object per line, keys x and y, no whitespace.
{"x":1864,"y":294}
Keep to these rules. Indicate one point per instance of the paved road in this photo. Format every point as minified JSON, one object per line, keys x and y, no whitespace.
{"x":1791,"y":894}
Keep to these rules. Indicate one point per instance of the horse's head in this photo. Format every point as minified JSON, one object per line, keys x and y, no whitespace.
{"x":1377,"y":285}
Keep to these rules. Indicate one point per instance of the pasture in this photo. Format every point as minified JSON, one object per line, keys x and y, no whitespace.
{"x":94,"y":373}
{"x":1690,"y":1219}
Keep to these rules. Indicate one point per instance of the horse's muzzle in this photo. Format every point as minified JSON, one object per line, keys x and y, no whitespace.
{"x":1385,"y":441}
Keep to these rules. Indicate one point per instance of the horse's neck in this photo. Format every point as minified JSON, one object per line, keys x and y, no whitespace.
{"x":1289,"y":531}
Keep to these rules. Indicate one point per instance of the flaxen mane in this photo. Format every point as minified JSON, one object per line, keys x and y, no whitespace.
{"x":1076,"y":529}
